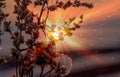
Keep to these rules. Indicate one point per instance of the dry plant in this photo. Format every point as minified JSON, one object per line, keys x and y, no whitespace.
{"x":29,"y":51}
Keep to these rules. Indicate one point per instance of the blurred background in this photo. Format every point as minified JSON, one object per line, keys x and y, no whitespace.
{"x":94,"y":48}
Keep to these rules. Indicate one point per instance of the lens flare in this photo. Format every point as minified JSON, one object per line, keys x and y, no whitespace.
{"x":56,"y":35}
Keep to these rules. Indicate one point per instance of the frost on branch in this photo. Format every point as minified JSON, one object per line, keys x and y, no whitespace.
{"x":64,"y":65}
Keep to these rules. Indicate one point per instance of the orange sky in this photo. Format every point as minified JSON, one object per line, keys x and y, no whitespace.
{"x":103,"y":10}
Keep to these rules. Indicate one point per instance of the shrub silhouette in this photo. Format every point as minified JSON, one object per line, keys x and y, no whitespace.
{"x":33,"y":52}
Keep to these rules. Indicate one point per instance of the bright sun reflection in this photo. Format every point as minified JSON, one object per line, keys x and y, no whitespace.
{"x":55,"y":35}
{"x":59,"y":33}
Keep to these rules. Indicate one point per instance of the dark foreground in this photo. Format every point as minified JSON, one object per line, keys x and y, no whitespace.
{"x":99,"y":63}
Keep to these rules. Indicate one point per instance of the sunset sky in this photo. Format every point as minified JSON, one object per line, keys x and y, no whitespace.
{"x":100,"y":29}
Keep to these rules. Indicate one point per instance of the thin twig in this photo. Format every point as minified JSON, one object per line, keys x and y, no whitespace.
{"x":41,"y":12}
{"x":42,"y":70}
{"x":48,"y":72}
{"x":47,"y":14}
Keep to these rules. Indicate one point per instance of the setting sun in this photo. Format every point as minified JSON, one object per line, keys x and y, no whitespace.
{"x":55,"y":35}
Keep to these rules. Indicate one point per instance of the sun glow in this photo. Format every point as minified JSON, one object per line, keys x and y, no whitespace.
{"x":59,"y":32}
{"x":55,"y":35}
